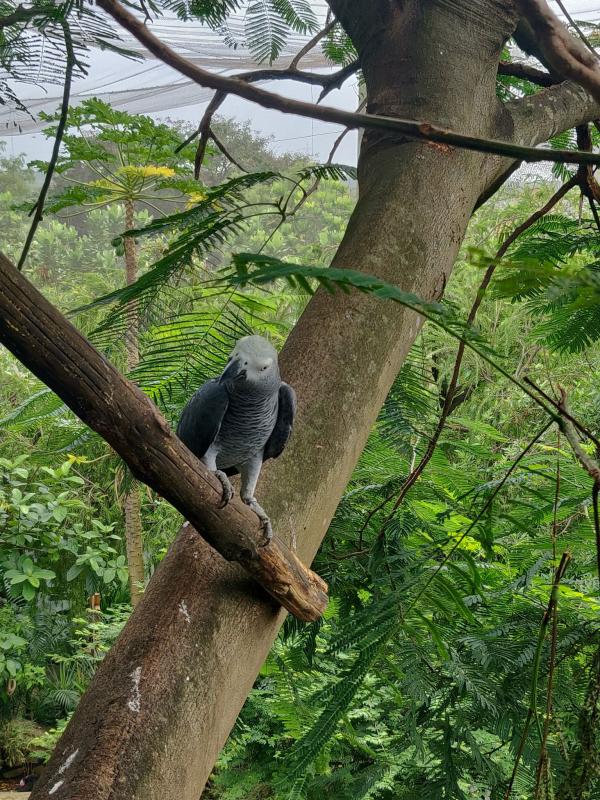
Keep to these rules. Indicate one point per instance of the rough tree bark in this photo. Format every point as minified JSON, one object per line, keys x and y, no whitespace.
{"x":432,"y":60}
{"x":132,"y":506}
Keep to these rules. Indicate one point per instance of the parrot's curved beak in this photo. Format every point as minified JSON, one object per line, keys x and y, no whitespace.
{"x":233,"y":372}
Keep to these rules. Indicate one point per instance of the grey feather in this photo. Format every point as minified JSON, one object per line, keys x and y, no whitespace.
{"x":282,"y":431}
{"x":202,"y":417}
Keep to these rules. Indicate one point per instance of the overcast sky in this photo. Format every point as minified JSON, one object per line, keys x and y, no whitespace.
{"x":290,"y":133}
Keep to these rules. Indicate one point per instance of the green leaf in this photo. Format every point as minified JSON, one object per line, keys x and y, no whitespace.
{"x":17,"y":577}
{"x":108,"y":575}
{"x":74,"y":571}
{"x":28,"y":591}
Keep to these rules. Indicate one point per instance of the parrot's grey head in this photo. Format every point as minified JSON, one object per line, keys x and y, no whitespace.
{"x":252,"y":367}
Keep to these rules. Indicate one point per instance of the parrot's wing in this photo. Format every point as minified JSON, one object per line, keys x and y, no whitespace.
{"x":202,"y":417}
{"x":285,"y":420}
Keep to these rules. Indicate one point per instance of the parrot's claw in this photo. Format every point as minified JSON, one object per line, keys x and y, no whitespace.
{"x":252,"y":503}
{"x":228,"y":491}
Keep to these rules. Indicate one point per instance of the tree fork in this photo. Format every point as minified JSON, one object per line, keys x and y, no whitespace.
{"x":414,"y":204}
{"x":57,"y":353}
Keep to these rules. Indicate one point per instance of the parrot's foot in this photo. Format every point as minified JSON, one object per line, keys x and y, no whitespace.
{"x":228,"y":491}
{"x":252,"y":503}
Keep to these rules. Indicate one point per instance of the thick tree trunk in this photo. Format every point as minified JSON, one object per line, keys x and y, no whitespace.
{"x":132,"y":507}
{"x":429,"y":60}
{"x":190,"y":652}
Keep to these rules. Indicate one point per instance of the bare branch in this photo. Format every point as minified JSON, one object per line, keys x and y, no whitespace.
{"x":404,"y":128}
{"x":328,"y":82}
{"x":225,"y":151}
{"x":589,"y":464}
{"x":563,"y":411}
{"x":527,"y":73}
{"x":312,"y":43}
{"x":38,"y":209}
{"x":564,"y":53}
{"x":204,"y":130}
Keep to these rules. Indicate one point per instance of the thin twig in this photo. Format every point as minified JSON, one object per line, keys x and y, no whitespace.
{"x":313,"y":188}
{"x":403,"y":128}
{"x":312,"y":43}
{"x":575,"y":26}
{"x":448,"y":406}
{"x":215,"y":102}
{"x":558,"y":576}
{"x":564,"y":411}
{"x":224,"y":150}
{"x":38,"y":209}
{"x":542,"y":767}
{"x":481,"y":512}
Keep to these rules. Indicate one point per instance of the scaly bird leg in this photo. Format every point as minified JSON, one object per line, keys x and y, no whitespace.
{"x":252,"y":503}
{"x":228,"y":490}
{"x":250,"y":470}
{"x":210,"y":460}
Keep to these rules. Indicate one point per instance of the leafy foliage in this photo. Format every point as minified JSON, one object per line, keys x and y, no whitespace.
{"x":419,"y":679}
{"x":555,"y":269}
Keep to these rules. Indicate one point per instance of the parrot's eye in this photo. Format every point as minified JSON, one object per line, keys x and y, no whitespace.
{"x":262,"y":369}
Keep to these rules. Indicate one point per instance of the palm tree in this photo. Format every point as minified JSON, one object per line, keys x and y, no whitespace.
{"x":112,"y":158}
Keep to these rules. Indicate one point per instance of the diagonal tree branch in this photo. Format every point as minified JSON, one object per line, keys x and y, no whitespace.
{"x":564,"y":53}
{"x":312,"y":43}
{"x":404,"y":128}
{"x":327,"y":82}
{"x":42,"y":339}
{"x":527,"y":73}
{"x":225,"y":151}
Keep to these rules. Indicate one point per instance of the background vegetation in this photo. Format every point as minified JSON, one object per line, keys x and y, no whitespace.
{"x":438,"y":660}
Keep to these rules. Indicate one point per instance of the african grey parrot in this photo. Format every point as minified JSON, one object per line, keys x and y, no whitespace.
{"x":235,"y":422}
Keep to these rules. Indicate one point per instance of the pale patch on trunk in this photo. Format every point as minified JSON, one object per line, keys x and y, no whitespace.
{"x":183,"y":609}
{"x":67,"y":762}
{"x":135,"y":701}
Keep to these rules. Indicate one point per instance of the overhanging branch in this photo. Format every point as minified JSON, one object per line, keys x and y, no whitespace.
{"x":565,"y":54}
{"x":411,"y":129}
{"x":57,"y":353}
{"x":516,"y":69}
